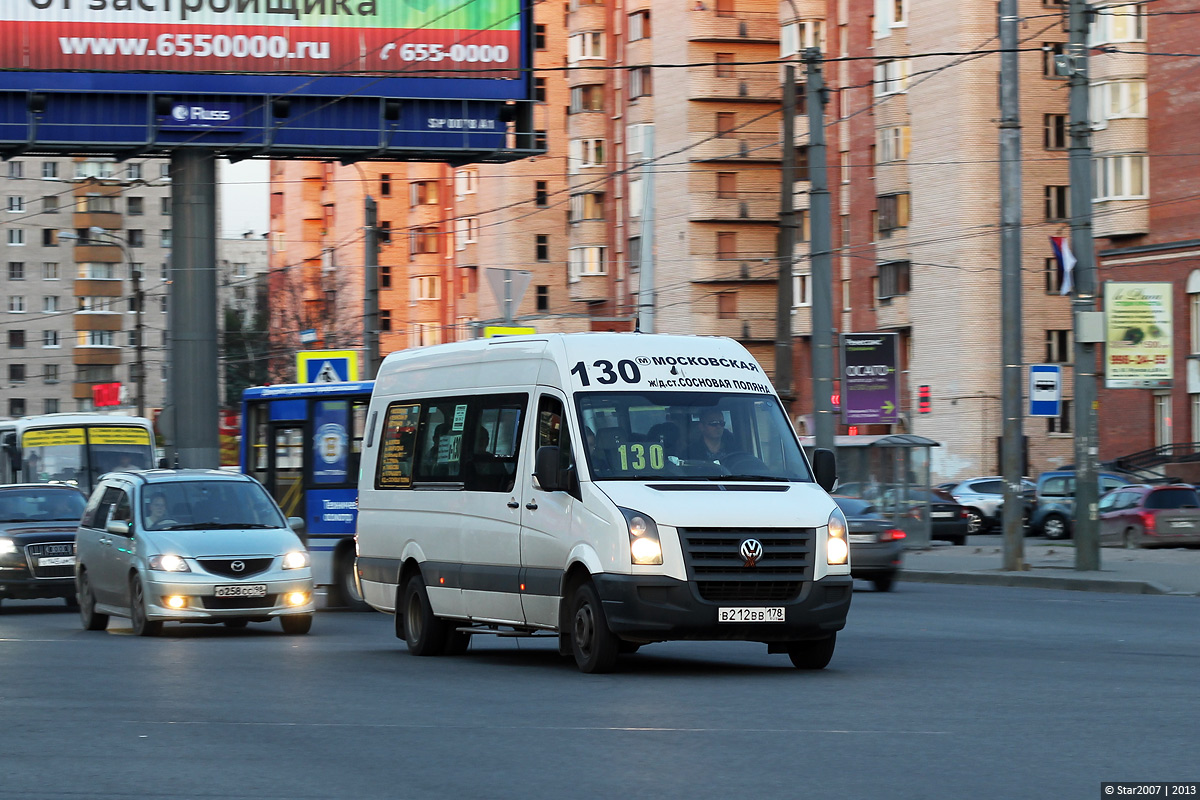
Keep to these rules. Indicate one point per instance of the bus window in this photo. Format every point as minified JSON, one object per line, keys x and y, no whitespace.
{"x":289,"y":469}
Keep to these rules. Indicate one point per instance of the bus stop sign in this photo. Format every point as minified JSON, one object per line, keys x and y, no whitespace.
{"x":1045,"y":390}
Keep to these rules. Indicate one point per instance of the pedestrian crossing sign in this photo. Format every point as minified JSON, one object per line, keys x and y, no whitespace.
{"x":326,"y":366}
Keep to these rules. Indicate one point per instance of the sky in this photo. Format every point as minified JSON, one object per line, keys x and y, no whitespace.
{"x":244,"y":197}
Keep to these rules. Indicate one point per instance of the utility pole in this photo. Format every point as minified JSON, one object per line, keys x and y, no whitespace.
{"x":1013,"y":440}
{"x":646,"y":256}
{"x":1087,"y":487}
{"x":821,"y":255}
{"x":787,"y":242}
{"x":139,"y":347}
{"x":371,"y":290}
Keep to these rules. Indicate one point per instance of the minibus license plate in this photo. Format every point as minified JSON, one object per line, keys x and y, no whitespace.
{"x":773,"y":614}
{"x":56,"y":561}
{"x":253,"y":590}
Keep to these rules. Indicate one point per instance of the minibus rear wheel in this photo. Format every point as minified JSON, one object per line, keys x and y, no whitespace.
{"x":594,"y":645}
{"x":424,"y":633}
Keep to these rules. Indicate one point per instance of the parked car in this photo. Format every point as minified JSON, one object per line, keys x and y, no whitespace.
{"x":37,"y":540}
{"x":984,"y":501}
{"x":1053,"y":511}
{"x":876,"y":546}
{"x":948,"y":519}
{"x":1141,"y":515}
{"x":190,"y":546}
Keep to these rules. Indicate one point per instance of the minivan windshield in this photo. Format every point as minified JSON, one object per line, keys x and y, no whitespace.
{"x":208,"y":505}
{"x":689,"y":436}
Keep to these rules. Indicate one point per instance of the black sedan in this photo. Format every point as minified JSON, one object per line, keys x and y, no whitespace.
{"x":876,"y":546}
{"x":37,"y":540}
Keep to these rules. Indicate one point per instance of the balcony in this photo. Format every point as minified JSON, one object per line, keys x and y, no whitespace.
{"x":1120,"y":218}
{"x":892,"y":312}
{"x":711,"y":25}
{"x":737,"y":146}
{"x":589,"y":289}
{"x":734,"y":270}
{"x":98,"y":253}
{"x":742,"y":207}
{"x":109,"y":220}
{"x":86,"y":355}
{"x":745,"y":84}
{"x":97,"y":287}
{"x":746,"y":328}
{"x":98,"y":321}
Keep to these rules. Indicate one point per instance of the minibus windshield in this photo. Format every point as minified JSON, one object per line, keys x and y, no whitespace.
{"x":689,"y":436}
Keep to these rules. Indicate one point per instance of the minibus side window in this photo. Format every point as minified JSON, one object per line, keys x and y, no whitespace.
{"x":553,"y":431}
{"x":495,"y":436}
{"x":397,"y":446}
{"x":440,"y":449}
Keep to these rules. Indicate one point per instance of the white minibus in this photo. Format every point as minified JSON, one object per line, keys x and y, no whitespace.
{"x":614,"y":489}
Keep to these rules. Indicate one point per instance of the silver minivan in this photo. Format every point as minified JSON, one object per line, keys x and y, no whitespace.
{"x":189,"y":546}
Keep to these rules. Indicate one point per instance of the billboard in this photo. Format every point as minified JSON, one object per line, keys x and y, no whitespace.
{"x":292,"y":77}
{"x":1138,"y":337}
{"x":870,"y":390}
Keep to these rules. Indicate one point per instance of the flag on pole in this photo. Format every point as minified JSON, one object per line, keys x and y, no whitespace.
{"x":1066,"y":262}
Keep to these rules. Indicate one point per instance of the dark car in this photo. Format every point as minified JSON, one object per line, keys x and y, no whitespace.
{"x":1052,"y":510}
{"x":37,"y":540}
{"x":948,"y":519}
{"x":876,"y":546}
{"x":1142,"y":515}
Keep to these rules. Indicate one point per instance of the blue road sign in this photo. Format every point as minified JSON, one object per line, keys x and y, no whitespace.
{"x":1045,"y":390}
{"x":327,"y":366}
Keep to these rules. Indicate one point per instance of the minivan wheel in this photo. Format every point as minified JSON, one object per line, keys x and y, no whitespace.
{"x":1054,"y":527}
{"x":137,"y":610}
{"x":424,"y":633}
{"x":595,"y":646}
{"x":296,"y":624}
{"x":92,"y":619}
{"x":812,"y":654}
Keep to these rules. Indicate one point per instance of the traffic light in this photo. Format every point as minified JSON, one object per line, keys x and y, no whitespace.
{"x":924,"y":404}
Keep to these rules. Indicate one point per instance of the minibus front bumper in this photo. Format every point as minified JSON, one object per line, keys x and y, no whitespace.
{"x":654,"y":609}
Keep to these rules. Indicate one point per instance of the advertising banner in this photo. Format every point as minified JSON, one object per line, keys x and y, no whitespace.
{"x":331,"y":443}
{"x":1139,"y":335}
{"x":870,"y":389}
{"x":432,"y":38}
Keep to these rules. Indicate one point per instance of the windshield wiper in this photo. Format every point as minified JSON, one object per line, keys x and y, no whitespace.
{"x":771,"y":478}
{"x":217,"y":526}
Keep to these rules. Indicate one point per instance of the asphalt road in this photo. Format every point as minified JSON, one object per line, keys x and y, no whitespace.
{"x":934,"y":692}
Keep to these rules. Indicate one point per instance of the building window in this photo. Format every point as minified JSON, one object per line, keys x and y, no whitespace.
{"x":543,"y":298}
{"x":16,"y":270}
{"x":135,"y":238}
{"x":49,"y":237}
{"x":16,"y":340}
{"x":585,"y":46}
{"x":587,"y":261}
{"x":16,"y":204}
{"x":539,"y":90}
{"x":50,"y":339}
{"x":727,"y":245}
{"x":466,"y":181}
{"x":385,"y":184}
{"x":1058,"y":347}
{"x":587,"y":205}
{"x":1058,"y":207}
{"x":727,"y":306}
{"x":164,"y":171}
{"x":50,"y":204}
{"x":539,"y":37}
{"x":16,"y":304}
{"x":164,"y":206}
{"x":49,"y":169}
{"x":164,"y":237}
{"x":135,"y":206}
{"x":542,"y":247}
{"x":1116,"y":100}
{"x":96,"y":270}
{"x":541,"y":195}
{"x":894,"y":279}
{"x":16,"y":169}
{"x":844,"y":166}
{"x":893,"y":212}
{"x":50,"y":303}
{"x":589,"y":97}
{"x":95,"y":338}
{"x":423,"y":193}
{"x":726,"y":124}
{"x":1050,"y":50}
{"x":641,"y":82}
{"x":801,"y":173}
{"x":385,"y":320}
{"x":639,"y":25}
{"x":16,"y":373}
{"x":1162,"y":420}
{"x":634,"y":253}
{"x":1195,"y":398}
{"x":16,"y":407}
{"x":891,"y":77}
{"x":423,"y":334}
{"x":49,"y":270}
{"x":133,"y":172}
{"x":1054,"y":276}
{"x":802,"y":289}
{"x":385,"y":231}
{"x":799,"y":36}
{"x":16,"y":236}
{"x":539,"y":140}
{"x":724,"y":65}
{"x":385,"y":277}
{"x":892,"y":144}
{"x":422,"y":241}
{"x":94,"y":169}
{"x":425,"y":287}
{"x":635,"y":137}
{"x":1061,"y":423}
{"x":725,"y":8}
{"x":1054,"y":131}
{"x":727,"y":185}
{"x":585,"y":153}
{"x":1123,"y":23}
{"x":1120,"y":178}
{"x":466,"y":231}
{"x":50,"y":373}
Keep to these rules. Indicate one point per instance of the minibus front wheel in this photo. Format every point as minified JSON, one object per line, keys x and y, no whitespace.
{"x":594,"y":645}
{"x":424,"y":633}
{"x":812,"y":654}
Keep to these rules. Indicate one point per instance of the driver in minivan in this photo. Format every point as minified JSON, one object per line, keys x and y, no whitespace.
{"x":712,"y":442}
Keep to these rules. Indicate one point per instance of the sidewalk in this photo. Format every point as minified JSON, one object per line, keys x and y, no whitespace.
{"x":1051,"y":565}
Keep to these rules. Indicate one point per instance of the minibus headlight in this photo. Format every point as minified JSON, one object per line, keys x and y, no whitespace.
{"x":836,"y":547}
{"x":169,"y":563}
{"x":644,"y":546}
{"x":297,"y":559}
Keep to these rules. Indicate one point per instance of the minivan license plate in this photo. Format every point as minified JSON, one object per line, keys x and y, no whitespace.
{"x":252,"y":590}
{"x":772,"y":614}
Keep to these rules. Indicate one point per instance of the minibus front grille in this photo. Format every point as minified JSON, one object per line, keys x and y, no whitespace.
{"x":715,"y":562}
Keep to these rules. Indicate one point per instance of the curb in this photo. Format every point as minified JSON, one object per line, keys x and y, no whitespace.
{"x":1035,"y":581}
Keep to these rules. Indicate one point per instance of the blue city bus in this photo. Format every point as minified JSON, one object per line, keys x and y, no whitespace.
{"x":303,"y":442}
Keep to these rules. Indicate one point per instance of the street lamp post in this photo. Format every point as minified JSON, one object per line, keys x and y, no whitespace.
{"x":139,"y":363}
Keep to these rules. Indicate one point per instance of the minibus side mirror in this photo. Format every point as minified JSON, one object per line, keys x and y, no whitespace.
{"x":825,"y":467}
{"x":546,"y":469}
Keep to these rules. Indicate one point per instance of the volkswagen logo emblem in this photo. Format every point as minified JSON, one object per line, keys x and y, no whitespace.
{"x":752,"y":551}
{"x":238,"y":566}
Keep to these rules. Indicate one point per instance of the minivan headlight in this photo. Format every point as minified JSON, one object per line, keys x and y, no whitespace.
{"x":169,"y":563}
{"x":297,"y":559}
{"x":7,"y":546}
{"x":837,"y":548}
{"x":645,"y":549}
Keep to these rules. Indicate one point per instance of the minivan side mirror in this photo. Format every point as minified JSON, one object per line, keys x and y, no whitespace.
{"x":119,"y":527}
{"x":545,"y":469}
{"x":825,"y":468}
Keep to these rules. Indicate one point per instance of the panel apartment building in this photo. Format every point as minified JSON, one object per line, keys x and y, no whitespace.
{"x":914,"y":177}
